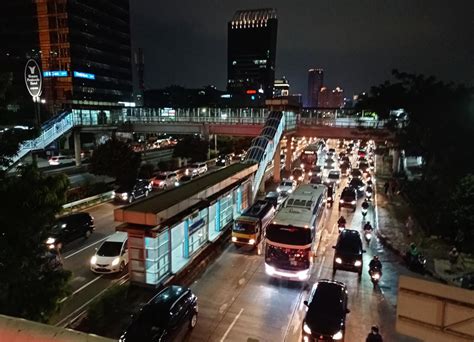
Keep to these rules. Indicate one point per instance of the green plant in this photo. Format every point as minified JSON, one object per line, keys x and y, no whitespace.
{"x":104,"y":310}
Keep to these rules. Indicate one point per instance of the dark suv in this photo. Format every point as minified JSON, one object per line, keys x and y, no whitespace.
{"x":348,"y":255}
{"x":166,"y":317}
{"x":69,"y":228}
{"x":325,"y":319}
{"x":129,"y":193}
{"x":348,"y":199}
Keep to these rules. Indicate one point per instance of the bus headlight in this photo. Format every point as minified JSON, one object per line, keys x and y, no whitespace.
{"x":251,"y":242}
{"x":337,"y":336}
{"x":338,"y":261}
{"x":234,"y":239}
{"x":306,"y":328}
{"x":302,"y":275}
{"x":270,"y":270}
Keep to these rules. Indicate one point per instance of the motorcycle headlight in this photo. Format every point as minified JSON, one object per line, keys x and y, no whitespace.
{"x":93,"y":260}
{"x":116,"y":261}
{"x":337,"y":336}
{"x":50,"y":241}
{"x":306,"y":328}
{"x":234,"y":239}
{"x":310,"y":173}
{"x":353,"y":202}
{"x":376,"y":276}
{"x":338,"y":261}
{"x":358,"y":263}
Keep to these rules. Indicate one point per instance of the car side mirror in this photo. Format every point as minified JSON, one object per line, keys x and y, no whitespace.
{"x":348,"y":311}
{"x":306,"y":303}
{"x":334,"y":247}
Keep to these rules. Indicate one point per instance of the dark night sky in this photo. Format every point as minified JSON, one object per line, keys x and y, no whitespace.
{"x":357,"y":42}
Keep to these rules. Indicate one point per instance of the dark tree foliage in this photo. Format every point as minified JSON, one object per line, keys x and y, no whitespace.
{"x":10,"y":141}
{"x":440,"y":128}
{"x":461,"y":209}
{"x":30,"y":286}
{"x":116,"y":159}
{"x":146,"y":171}
{"x":191,"y":147}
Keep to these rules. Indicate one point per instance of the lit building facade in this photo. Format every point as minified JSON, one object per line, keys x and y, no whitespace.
{"x":331,"y":98}
{"x":251,"y":52}
{"x":315,"y":83}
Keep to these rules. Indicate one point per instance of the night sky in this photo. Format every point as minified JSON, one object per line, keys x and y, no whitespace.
{"x":356,"y":42}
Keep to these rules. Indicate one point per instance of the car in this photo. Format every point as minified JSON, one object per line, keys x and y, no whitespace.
{"x":275,"y":199}
{"x":223,"y":160}
{"x":355,"y":173}
{"x":325,"y":318}
{"x":164,"y":180}
{"x":334,"y":177}
{"x":60,"y":160}
{"x":287,"y":186}
{"x":362,"y":152}
{"x":186,"y":179}
{"x":131,"y":192}
{"x":357,"y":184}
{"x":348,"y":252}
{"x":329,"y":161}
{"x":315,"y":171}
{"x":112,"y":255}
{"x":316,"y":180}
{"x":196,"y":169}
{"x":331,"y":152}
{"x":345,"y":169}
{"x":348,"y":199}
{"x":166,"y":317}
{"x":298,"y":175}
{"x":69,"y":228}
{"x":364,"y":167}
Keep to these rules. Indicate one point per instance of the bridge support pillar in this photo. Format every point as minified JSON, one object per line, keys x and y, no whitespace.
{"x":289,"y":154}
{"x":77,"y":147}
{"x":206,"y":137}
{"x":277,"y":164}
{"x":215,"y":144}
{"x":395,"y":160}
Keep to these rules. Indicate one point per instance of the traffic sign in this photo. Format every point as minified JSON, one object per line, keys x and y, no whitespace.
{"x":33,"y":78}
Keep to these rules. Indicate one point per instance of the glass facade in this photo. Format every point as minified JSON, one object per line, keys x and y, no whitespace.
{"x":152,"y":259}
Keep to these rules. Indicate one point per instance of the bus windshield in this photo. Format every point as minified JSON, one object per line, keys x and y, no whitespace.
{"x":289,"y":235}
{"x":244,"y":227}
{"x":287,"y":258}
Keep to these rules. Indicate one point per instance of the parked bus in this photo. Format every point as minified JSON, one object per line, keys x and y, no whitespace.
{"x":249,"y":228}
{"x":292,"y":238}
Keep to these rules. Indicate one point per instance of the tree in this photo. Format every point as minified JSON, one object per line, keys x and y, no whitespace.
{"x":191,"y":147}
{"x":10,"y":141}
{"x":461,"y":210}
{"x":116,"y":159}
{"x":30,"y":286}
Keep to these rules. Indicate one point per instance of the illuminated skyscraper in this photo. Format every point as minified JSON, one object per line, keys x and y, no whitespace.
{"x":315,"y":83}
{"x":251,"y":52}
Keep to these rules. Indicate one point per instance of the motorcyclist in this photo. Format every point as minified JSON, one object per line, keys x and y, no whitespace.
{"x":375,"y":264}
{"x":374,"y":335}
{"x":368,"y":227}
{"x":365,"y":204}
{"x":341,"y":222}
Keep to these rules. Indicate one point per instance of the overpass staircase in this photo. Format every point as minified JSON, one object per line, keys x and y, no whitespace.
{"x":263,"y":147}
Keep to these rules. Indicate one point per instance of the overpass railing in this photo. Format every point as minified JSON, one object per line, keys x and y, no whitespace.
{"x":343,"y":122}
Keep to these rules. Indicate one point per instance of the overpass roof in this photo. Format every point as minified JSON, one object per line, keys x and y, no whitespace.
{"x":156,"y":209}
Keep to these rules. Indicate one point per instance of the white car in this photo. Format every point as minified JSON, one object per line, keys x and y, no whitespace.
{"x":196,"y":169}
{"x":334,"y":176}
{"x":165,"y":180}
{"x":58,"y":160}
{"x":287,"y":186}
{"x":112,"y":255}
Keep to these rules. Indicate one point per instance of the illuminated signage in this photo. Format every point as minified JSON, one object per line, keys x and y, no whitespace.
{"x":55,"y":73}
{"x":33,"y":79}
{"x":251,"y":91}
{"x":79,"y":74}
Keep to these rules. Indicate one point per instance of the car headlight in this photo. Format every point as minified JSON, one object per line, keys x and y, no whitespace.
{"x":338,"y":261}
{"x":124,"y":195}
{"x":251,"y":241}
{"x":93,"y":260}
{"x":358,"y":263}
{"x":292,"y":177}
{"x":302,"y":166}
{"x":338,"y":335}
{"x":116,"y":261}
{"x":290,"y":191}
{"x":341,"y":201}
{"x":278,"y":189}
{"x":234,"y":239}
{"x":176,"y":183}
{"x":306,"y":328}
{"x":353,"y":202}
{"x":50,"y":241}
{"x":310,"y":173}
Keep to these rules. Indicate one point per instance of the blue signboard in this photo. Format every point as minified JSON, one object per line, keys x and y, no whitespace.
{"x":196,"y":226}
{"x":55,"y":73}
{"x":84,"y":75}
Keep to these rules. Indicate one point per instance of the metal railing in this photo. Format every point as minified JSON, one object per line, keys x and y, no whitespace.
{"x":88,"y":202}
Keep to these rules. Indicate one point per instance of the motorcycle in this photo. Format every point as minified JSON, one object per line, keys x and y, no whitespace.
{"x":364,"y":212}
{"x":369,"y":193}
{"x":375,"y":275}
{"x":416,"y":263}
{"x":368,"y":235}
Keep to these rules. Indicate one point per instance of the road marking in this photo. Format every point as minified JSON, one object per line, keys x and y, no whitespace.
{"x":232,"y":325}
{"x":81,"y":288}
{"x":86,"y":247}
{"x":321,"y":267}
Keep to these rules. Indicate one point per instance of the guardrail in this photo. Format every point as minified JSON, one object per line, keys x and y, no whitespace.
{"x":89,"y":201}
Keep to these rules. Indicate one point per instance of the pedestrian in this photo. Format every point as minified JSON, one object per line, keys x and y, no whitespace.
{"x":453,"y":258}
{"x":409,"y":226}
{"x":374,"y":335}
{"x":386,"y":187}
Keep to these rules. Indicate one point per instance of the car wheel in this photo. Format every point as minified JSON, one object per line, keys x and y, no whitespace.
{"x":87,"y":234}
{"x":193,"y":320}
{"x":122,"y":267}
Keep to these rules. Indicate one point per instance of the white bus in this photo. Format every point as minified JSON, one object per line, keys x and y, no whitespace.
{"x":293,"y":236}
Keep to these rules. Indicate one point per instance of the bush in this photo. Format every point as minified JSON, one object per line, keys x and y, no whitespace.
{"x":104,"y":310}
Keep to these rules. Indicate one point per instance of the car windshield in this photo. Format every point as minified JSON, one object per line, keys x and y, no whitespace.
{"x":348,"y":194}
{"x":246,"y":228}
{"x":333,"y":175}
{"x":286,"y":184}
{"x":109,"y":249}
{"x":288,"y":234}
{"x":350,"y":245}
{"x":326,"y":302}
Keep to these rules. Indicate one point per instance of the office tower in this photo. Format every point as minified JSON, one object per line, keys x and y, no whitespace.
{"x":315,"y":83}
{"x":331,"y":98}
{"x":83,"y":48}
{"x":251,"y":52}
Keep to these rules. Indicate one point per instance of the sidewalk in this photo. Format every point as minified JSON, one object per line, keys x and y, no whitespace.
{"x":393,"y":212}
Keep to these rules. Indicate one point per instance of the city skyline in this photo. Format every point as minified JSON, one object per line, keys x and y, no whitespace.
{"x":358,"y":46}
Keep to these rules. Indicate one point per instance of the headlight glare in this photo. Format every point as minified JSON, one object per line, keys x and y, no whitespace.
{"x":116,"y":261}
{"x":337,"y":336}
{"x":338,"y":261}
{"x":94,"y":260}
{"x":358,"y":263}
{"x":306,"y":328}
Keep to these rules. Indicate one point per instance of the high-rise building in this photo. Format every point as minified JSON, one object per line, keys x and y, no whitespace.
{"x":331,"y":98}
{"x":251,"y":51}
{"x":315,"y":83}
{"x":281,"y":87}
{"x":83,"y":48}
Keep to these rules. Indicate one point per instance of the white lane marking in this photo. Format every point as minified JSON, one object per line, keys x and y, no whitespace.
{"x":321,"y":267}
{"x":81,"y":288}
{"x":86,"y":247}
{"x":232,"y":325}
